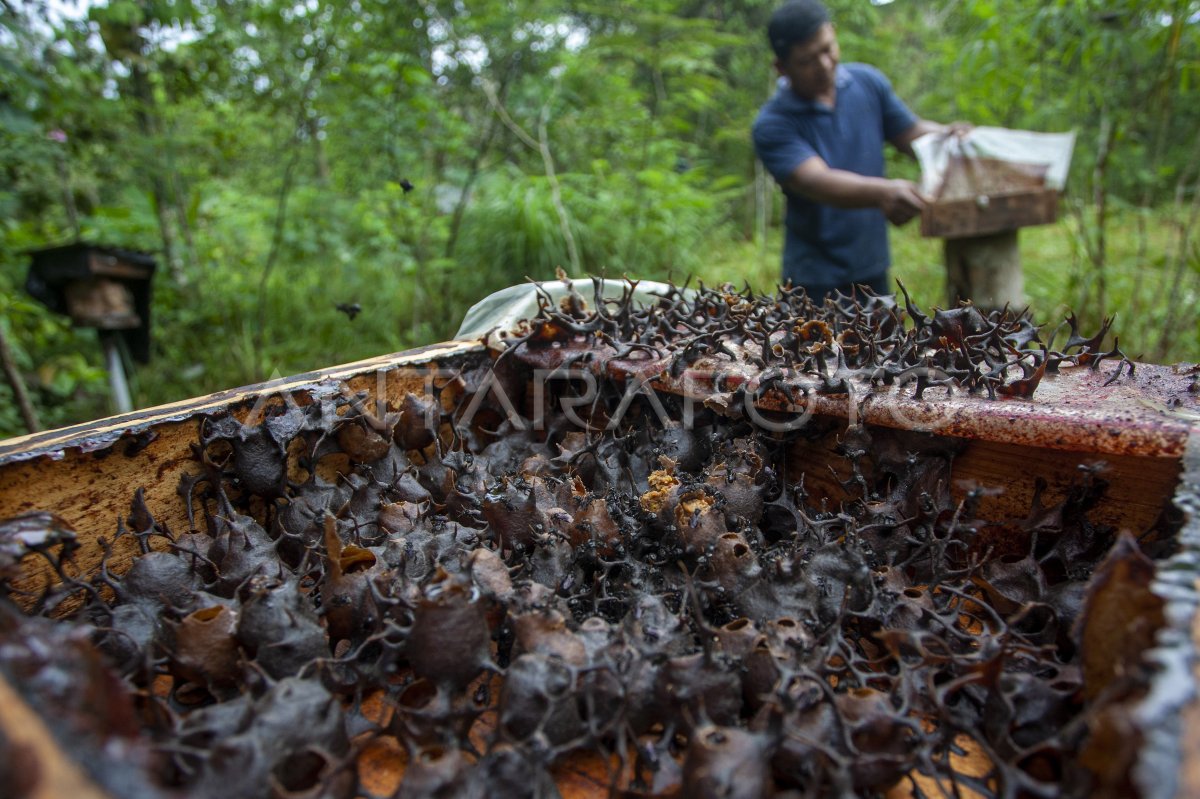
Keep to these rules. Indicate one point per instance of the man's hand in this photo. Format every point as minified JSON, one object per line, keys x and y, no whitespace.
{"x":900,"y":201}
{"x":959,"y":129}
{"x":904,"y":141}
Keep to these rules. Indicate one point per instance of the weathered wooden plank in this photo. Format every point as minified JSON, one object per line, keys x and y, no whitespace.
{"x":1139,"y":488}
{"x":948,"y":219}
{"x":90,"y":436}
{"x":88,"y":473}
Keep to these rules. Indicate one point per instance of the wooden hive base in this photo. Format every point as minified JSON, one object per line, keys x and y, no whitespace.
{"x":89,"y":474}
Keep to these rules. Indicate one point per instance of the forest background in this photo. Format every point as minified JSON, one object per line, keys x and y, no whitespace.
{"x":282,"y":158}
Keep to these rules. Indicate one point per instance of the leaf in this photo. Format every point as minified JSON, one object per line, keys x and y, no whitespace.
{"x":415,"y":76}
{"x":1120,"y":618}
{"x":119,"y":12}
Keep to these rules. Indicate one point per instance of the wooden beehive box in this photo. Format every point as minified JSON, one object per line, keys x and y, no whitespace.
{"x":107,"y":288}
{"x":979,"y":196}
{"x":87,"y":474}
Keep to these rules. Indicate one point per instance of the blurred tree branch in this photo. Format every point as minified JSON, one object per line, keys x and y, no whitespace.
{"x":541,"y":145}
{"x":28,"y":414}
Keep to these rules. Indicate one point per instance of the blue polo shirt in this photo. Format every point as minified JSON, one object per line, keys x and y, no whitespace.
{"x":826,"y":246}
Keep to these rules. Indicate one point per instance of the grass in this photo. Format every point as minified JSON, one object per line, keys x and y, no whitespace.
{"x":203,"y":347}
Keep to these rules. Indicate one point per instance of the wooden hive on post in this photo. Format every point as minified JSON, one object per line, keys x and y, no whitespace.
{"x":104,"y":288}
{"x":107,"y":288}
{"x":977,"y":211}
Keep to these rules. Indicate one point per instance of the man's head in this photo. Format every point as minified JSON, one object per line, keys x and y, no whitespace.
{"x":805,"y":45}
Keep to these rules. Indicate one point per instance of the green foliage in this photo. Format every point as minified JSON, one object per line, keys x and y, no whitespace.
{"x":282,"y":158}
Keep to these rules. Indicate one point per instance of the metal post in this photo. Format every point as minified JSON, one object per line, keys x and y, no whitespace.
{"x":116,"y":371}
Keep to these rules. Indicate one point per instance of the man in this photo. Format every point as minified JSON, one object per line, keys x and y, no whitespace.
{"x":821,"y":136}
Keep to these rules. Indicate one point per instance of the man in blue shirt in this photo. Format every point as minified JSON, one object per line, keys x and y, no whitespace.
{"x":821,"y":137}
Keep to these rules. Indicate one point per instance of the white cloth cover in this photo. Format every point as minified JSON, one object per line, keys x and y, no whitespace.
{"x":505,"y":308}
{"x":1054,"y":150}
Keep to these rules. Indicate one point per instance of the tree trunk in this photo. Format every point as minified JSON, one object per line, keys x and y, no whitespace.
{"x":148,"y":125}
{"x":18,"y":385}
{"x":320,"y":161}
{"x":64,"y":177}
{"x":1183,"y":255}
{"x":1108,"y":135}
{"x":473,"y":169}
{"x":762,"y":210}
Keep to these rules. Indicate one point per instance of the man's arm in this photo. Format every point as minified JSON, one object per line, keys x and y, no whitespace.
{"x":899,"y":200}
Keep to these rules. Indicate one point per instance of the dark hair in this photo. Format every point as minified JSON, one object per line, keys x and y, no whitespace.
{"x":793,"y":23}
